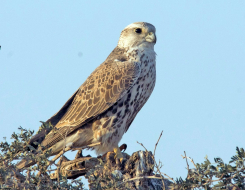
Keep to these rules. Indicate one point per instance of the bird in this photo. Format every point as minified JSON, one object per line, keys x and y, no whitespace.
{"x":105,"y":105}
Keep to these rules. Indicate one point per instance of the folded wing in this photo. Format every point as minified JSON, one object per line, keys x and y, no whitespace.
{"x":103,"y":88}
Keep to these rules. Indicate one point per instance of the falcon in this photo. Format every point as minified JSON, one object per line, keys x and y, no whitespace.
{"x":105,"y":105}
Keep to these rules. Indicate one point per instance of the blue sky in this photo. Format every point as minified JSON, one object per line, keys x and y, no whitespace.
{"x":49,"y":48}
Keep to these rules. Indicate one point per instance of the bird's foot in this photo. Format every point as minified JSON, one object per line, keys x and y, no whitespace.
{"x":118,"y":154}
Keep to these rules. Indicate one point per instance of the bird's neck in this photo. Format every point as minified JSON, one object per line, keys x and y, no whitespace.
{"x":137,"y":53}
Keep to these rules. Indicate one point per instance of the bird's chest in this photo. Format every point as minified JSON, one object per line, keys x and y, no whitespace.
{"x":143,"y":88}
{"x":114,"y":123}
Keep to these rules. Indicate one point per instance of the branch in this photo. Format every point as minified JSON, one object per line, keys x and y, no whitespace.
{"x":157,"y":144}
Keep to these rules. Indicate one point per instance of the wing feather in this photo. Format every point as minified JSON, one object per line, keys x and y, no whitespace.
{"x":104,"y":87}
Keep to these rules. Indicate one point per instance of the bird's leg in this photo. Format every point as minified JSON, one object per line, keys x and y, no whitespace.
{"x":118,"y":154}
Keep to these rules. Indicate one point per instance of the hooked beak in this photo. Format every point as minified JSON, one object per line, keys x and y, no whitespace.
{"x":151,"y":37}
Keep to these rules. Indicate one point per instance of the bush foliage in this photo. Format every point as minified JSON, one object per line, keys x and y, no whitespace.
{"x":206,"y":175}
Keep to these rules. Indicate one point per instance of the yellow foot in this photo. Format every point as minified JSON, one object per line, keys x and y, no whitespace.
{"x":118,"y":154}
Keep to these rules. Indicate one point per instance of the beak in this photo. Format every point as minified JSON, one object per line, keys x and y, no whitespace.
{"x":151,"y":37}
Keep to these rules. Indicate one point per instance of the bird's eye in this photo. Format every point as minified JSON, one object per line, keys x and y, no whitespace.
{"x":138,"y":30}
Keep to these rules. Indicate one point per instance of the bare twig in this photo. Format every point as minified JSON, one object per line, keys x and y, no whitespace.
{"x":157,"y":143}
{"x":190,"y":160}
{"x":172,"y":179}
{"x":235,"y":186}
{"x":142,"y":146}
{"x":187,"y":165}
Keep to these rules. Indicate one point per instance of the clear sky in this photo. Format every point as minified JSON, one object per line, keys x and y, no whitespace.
{"x":49,"y":48}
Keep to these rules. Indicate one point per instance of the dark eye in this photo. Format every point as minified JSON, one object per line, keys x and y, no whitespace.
{"x":138,"y":30}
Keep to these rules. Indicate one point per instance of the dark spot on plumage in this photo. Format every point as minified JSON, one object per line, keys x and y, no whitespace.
{"x":102,"y":90}
{"x":115,"y":120}
{"x":125,"y":102}
{"x":124,"y":115}
{"x":127,"y":110}
{"x":120,"y":104}
{"x":110,"y":108}
{"x":141,"y":57}
{"x":114,"y":111}
{"x":119,"y":114}
{"x":138,"y":88}
{"x":121,"y":83}
{"x":107,"y":97}
{"x":106,"y":123}
{"x":97,"y":92}
{"x":126,"y":85}
{"x":129,"y":96}
{"x":115,"y":89}
{"x":87,"y":96}
{"x":90,"y":102}
{"x":116,"y":132}
{"x":109,"y":140}
{"x":122,"y":59}
{"x":118,"y":77}
{"x":131,"y":103}
{"x":108,"y":86}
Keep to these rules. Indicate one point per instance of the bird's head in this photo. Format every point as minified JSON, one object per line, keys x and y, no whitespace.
{"x":138,"y":34}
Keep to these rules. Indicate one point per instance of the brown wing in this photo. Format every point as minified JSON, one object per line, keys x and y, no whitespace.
{"x":53,"y":120}
{"x":104,"y":87}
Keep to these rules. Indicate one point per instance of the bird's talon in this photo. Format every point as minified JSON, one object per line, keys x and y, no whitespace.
{"x":121,"y":160}
{"x":118,"y":155}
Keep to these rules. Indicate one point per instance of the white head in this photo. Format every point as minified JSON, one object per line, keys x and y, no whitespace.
{"x":138,"y":34}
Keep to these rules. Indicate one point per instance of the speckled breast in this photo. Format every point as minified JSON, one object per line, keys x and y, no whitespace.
{"x":115,"y":122}
{"x":143,"y":88}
